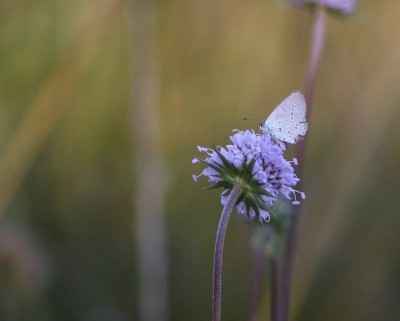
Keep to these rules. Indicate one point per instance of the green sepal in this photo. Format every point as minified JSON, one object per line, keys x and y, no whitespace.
{"x":223,"y":184}
{"x":231,"y":176}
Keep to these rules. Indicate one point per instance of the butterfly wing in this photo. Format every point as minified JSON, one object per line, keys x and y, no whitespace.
{"x":287,"y":122}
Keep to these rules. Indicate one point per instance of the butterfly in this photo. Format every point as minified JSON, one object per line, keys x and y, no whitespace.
{"x":287,"y":123}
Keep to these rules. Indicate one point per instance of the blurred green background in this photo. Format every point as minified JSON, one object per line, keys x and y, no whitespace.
{"x":102,"y":105}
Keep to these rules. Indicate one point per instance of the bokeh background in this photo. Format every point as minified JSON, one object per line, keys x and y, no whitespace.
{"x":102,"y":105}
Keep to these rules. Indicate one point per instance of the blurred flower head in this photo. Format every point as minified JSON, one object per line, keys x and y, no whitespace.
{"x":340,"y":6}
{"x":255,"y":162}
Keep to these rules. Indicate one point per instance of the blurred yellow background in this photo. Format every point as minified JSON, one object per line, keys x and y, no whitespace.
{"x":100,"y":98}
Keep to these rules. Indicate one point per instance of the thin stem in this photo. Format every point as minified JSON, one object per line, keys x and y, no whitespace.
{"x":219,"y":249}
{"x":256,"y":281}
{"x":149,"y":222}
{"x":275,"y":287}
{"x":318,"y":37}
{"x":317,"y":43}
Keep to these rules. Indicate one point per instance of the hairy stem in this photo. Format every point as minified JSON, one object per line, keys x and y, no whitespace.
{"x":219,"y":249}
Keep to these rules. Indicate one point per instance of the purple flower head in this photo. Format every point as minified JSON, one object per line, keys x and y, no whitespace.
{"x":340,"y":6}
{"x":255,"y":162}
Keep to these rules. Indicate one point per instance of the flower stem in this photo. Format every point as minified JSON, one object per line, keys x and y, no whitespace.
{"x":219,"y":249}
{"x":275,"y":287}
{"x":318,"y":37}
{"x":317,"y":43}
{"x":149,"y":221}
{"x":256,"y":281}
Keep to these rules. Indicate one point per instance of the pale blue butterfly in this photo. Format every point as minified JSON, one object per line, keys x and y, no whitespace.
{"x":287,"y":123}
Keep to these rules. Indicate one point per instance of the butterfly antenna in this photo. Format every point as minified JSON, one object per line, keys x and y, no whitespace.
{"x":254,"y":119}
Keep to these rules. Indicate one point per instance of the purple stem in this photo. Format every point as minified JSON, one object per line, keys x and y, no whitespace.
{"x":317,"y":42}
{"x":275,"y":287}
{"x":219,"y":250}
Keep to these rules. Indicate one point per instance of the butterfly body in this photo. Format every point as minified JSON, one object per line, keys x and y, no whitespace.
{"x":287,"y":123}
